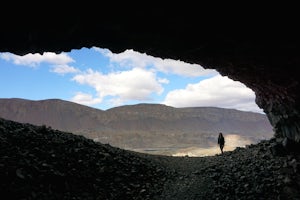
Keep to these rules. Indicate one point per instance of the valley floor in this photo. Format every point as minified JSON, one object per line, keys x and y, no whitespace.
{"x":37,"y":162}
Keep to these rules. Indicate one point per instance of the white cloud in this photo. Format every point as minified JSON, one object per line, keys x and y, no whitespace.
{"x":34,"y":60}
{"x":141,"y":77}
{"x":163,"y":80}
{"x":63,"y":69}
{"x":218,"y":91}
{"x":135,"y":59}
{"x":58,"y":62}
{"x":182,"y":68}
{"x":128,"y":58}
{"x":85,"y":99}
{"x":135,"y":84}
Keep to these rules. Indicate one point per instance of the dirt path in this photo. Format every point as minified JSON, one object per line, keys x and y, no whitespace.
{"x":246,"y":173}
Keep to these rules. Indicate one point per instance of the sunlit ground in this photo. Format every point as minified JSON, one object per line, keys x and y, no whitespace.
{"x":231,"y":142}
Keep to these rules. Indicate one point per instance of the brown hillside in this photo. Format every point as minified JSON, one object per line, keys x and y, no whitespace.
{"x":141,"y":125}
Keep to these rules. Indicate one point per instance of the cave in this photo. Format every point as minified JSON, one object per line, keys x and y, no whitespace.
{"x":259,"y":48}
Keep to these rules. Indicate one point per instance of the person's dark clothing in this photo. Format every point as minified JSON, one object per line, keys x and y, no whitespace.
{"x":221,"y":141}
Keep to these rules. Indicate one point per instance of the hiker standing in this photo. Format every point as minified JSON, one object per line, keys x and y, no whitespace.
{"x":221,"y":141}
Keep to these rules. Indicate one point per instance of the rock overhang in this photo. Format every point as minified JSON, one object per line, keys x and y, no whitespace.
{"x":257,"y":48}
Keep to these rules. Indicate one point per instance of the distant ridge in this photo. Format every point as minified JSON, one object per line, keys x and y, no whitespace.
{"x":59,"y":114}
{"x":138,"y":125}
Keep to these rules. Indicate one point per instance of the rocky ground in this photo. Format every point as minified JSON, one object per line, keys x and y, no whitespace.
{"x":37,"y":162}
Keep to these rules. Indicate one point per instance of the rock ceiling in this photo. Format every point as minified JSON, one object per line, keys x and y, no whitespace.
{"x":257,"y":47}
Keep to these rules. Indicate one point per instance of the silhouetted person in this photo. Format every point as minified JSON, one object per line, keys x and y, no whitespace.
{"x":221,"y":141}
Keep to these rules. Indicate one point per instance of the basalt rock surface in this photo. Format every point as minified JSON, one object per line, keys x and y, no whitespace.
{"x":37,"y":162}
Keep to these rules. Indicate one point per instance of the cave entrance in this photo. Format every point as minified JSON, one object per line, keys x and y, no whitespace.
{"x":146,"y":104}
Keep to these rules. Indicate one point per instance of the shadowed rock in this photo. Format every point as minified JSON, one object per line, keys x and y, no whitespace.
{"x":37,"y":162}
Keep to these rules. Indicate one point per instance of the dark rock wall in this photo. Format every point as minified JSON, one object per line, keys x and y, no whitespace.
{"x":258,"y":46}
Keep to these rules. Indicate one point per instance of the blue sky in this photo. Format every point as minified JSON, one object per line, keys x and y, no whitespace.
{"x":99,"y":78}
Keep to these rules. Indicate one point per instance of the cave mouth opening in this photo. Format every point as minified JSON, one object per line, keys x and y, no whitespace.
{"x":98,"y":78}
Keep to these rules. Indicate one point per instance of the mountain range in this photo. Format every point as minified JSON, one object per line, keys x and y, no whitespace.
{"x":141,"y":125}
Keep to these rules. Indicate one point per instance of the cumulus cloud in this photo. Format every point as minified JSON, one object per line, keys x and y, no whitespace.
{"x":86,"y":99}
{"x":218,"y":91}
{"x":63,"y":69}
{"x":138,"y":77}
{"x":34,"y":60}
{"x":168,"y":66}
{"x":134,"y":84}
{"x":163,"y":80}
{"x":59,"y":62}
